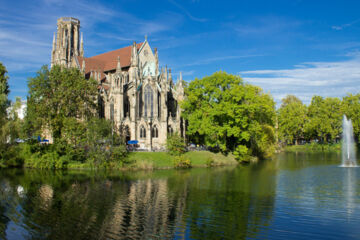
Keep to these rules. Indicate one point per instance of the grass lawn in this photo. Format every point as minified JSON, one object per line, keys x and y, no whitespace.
{"x":149,"y":160}
{"x":314,"y":147}
{"x":163,"y":160}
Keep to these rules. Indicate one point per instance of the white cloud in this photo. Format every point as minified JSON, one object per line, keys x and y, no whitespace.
{"x":187,"y":12}
{"x":341,"y":27}
{"x":333,"y":79}
{"x":220,"y":58}
{"x":263,"y":26}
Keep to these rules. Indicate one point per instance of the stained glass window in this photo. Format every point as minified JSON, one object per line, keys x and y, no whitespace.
{"x":142,"y":132}
{"x":149,"y":102}
{"x":155,"y":132}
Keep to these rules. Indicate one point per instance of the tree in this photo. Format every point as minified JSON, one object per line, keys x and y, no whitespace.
{"x":175,"y":144}
{"x":351,"y":108}
{"x":4,"y":102}
{"x":230,"y":115}
{"x":324,"y":119}
{"x":291,"y":119}
{"x":13,"y":126}
{"x":57,"y":95}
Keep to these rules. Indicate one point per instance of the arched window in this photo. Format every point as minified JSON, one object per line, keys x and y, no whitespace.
{"x":140,"y":103}
{"x":155,"y":132}
{"x":149,"y":101}
{"x":127,"y":133}
{"x":142,"y":132}
{"x":101,"y":107}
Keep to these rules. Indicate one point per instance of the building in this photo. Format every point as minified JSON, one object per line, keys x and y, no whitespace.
{"x":141,"y":99}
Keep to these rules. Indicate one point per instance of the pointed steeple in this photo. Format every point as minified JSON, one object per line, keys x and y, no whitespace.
{"x":134,"y":55}
{"x":166,"y":73}
{"x":53,"y":51}
{"x":54,"y":43}
{"x":181,"y":80}
{"x":170,"y":76}
{"x":156,"y":62}
{"x":82,"y":46}
{"x":118,"y":66}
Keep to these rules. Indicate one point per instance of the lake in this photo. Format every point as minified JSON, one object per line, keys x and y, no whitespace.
{"x":295,"y":196}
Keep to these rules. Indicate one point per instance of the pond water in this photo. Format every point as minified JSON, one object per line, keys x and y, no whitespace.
{"x":295,"y":196}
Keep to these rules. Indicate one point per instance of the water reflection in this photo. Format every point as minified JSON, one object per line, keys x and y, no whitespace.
{"x":297,"y":196}
{"x":200,"y":204}
{"x":349,"y":189}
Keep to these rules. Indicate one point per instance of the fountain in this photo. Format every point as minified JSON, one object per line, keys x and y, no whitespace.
{"x":348,"y":144}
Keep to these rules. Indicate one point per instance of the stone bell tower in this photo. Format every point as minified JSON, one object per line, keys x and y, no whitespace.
{"x":66,"y":44}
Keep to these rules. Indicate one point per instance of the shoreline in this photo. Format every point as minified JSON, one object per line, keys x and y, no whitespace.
{"x":164,"y":161}
{"x":149,"y":161}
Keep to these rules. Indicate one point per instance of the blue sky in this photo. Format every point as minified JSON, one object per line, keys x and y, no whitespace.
{"x":286,"y":47}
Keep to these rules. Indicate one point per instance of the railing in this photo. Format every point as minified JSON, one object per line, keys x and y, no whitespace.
{"x":69,"y":19}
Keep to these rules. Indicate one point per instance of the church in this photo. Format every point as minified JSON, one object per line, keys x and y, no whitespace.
{"x":140,"y":98}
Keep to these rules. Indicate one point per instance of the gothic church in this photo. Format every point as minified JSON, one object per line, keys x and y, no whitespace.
{"x":141,"y":99}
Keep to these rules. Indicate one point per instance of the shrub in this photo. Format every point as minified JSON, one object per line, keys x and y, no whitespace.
{"x":210,"y":162}
{"x":182,"y":162}
{"x":242,"y":153}
{"x":9,"y":157}
{"x":119,"y":153}
{"x":175,"y":145}
{"x":98,"y":157}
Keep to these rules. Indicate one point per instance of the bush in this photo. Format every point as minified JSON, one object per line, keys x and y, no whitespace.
{"x":182,"y":162}
{"x":118,"y":154}
{"x":97,"y":158}
{"x":9,"y":157}
{"x":210,"y":162}
{"x":242,"y":153}
{"x":175,"y":145}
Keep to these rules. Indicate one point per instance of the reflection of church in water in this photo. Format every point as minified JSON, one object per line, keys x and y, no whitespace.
{"x":135,"y":94}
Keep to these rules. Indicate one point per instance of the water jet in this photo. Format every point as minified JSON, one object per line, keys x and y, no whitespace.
{"x":348,"y":144}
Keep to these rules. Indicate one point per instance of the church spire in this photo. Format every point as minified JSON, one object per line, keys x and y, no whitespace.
{"x":82,"y":46}
{"x":53,"y":51}
{"x":156,"y":62}
{"x":118,"y":66}
{"x":166,"y":73}
{"x":134,"y":55}
{"x":54,"y":42}
{"x":170,"y":76}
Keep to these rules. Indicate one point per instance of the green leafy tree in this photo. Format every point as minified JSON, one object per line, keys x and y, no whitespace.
{"x":4,"y":104}
{"x":324,"y":119}
{"x":228,"y":114}
{"x":291,"y":119}
{"x":13,"y":126}
{"x":351,"y":108}
{"x":4,"y":101}
{"x":57,"y":95}
{"x":175,"y":145}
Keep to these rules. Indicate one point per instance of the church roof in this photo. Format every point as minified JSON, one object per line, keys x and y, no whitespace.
{"x":108,"y":61}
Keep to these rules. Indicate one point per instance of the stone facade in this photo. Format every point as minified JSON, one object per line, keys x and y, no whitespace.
{"x":141,"y":99}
